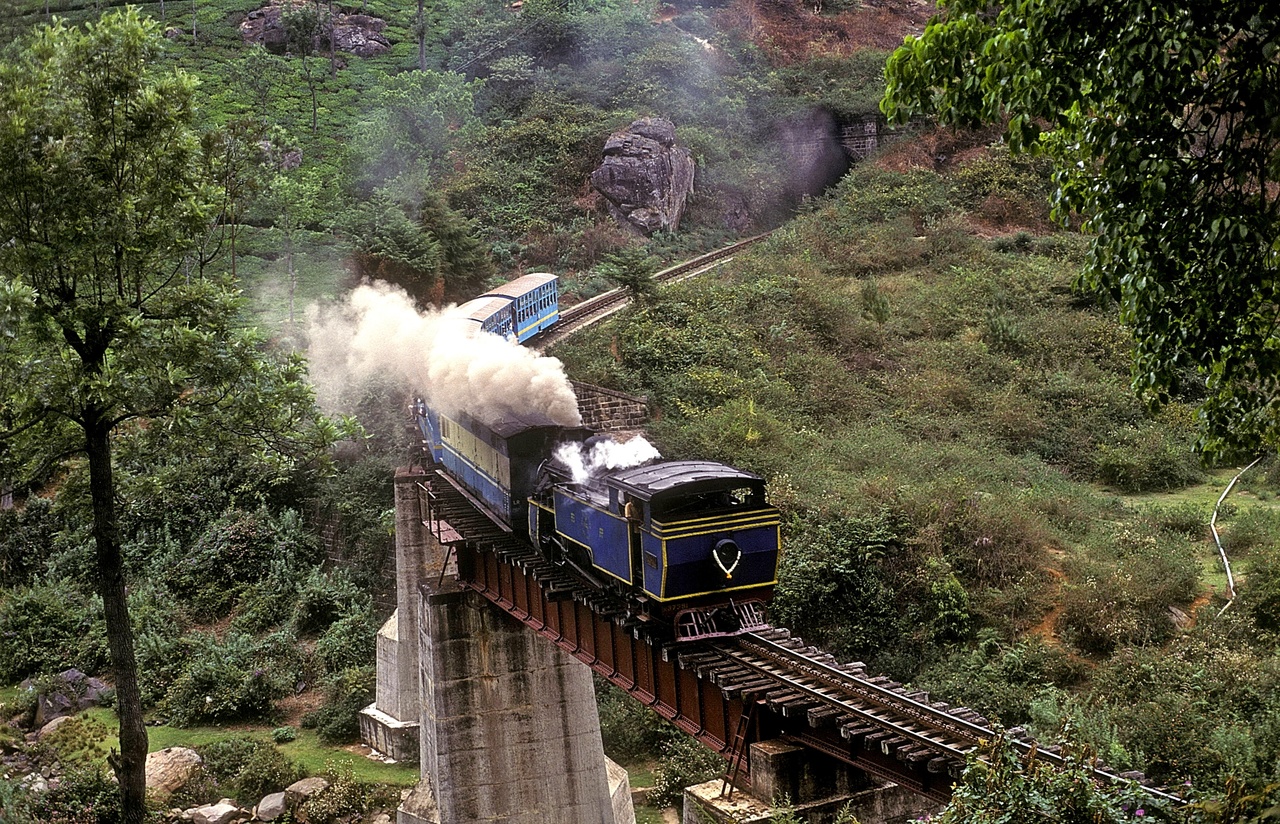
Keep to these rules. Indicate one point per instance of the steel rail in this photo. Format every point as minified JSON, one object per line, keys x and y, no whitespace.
{"x":594,"y":309}
{"x":895,"y":701}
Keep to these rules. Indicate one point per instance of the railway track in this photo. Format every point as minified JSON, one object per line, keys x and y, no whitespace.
{"x":593,"y":310}
{"x":792,"y":689}
{"x":781,"y":673}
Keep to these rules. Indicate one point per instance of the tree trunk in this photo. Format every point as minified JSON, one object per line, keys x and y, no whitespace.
{"x":333,"y":43}
{"x":422,"y":38}
{"x":293,"y":276}
{"x":130,"y":766}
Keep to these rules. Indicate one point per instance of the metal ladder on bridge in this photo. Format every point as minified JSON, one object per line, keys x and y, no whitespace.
{"x":738,"y":749}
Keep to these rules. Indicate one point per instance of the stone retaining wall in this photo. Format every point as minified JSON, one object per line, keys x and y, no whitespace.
{"x":607,"y":410}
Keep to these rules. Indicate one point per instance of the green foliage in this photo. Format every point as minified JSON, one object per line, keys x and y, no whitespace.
{"x":283,"y":735}
{"x":421,"y":245}
{"x":833,"y":587}
{"x":418,"y":121}
{"x":236,"y":550}
{"x":346,"y":798}
{"x":26,"y":536}
{"x":265,"y":771}
{"x":247,"y":768}
{"x":1124,"y":598}
{"x":1000,"y":785}
{"x":631,"y":269}
{"x":346,"y":693}
{"x":349,"y":641}
{"x":325,"y":597}
{"x":85,"y":795}
{"x":684,"y":763}
{"x":1148,"y":458}
{"x":229,"y":680}
{"x":1000,"y":679}
{"x":629,"y":730}
{"x":1172,"y":203}
{"x":49,"y":628}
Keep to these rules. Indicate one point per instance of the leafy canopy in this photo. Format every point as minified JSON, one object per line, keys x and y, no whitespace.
{"x":1163,"y":122}
{"x":106,"y":310}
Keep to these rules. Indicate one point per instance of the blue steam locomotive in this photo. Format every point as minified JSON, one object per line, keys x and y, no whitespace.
{"x":690,"y":544}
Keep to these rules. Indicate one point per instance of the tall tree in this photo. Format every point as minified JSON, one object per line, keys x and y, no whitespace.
{"x":102,"y":211}
{"x":1162,"y":118}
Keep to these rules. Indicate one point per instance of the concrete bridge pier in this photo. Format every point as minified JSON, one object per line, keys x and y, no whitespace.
{"x":816,"y":787}
{"x":502,"y":723}
{"x":390,"y":723}
{"x":509,"y":726}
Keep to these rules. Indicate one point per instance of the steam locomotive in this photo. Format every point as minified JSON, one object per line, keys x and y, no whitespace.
{"x":691,"y":545}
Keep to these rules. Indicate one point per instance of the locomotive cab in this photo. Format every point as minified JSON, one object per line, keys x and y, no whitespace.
{"x":680,"y":532}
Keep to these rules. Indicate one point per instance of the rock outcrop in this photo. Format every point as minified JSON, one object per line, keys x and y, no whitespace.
{"x":358,"y":34}
{"x":645,"y":177}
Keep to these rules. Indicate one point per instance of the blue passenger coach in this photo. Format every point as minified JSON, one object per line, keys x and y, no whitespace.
{"x":535,"y":303}
{"x":517,"y":310}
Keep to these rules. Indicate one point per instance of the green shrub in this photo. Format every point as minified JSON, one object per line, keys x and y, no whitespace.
{"x":346,"y":799}
{"x":1250,"y":530}
{"x":629,"y":730}
{"x":85,"y":795}
{"x":1260,"y":591}
{"x":26,"y":537}
{"x":224,"y":681}
{"x":235,"y":551}
{"x":1000,"y":679}
{"x":348,"y":692}
{"x":323,"y":598}
{"x":349,"y":641}
{"x":49,"y":628}
{"x":684,"y":763}
{"x":1147,"y":458}
{"x":265,"y":771}
{"x":1188,"y":520}
{"x":224,"y":759}
{"x":283,"y":735}
{"x":832,"y":588}
{"x":1125,"y":598}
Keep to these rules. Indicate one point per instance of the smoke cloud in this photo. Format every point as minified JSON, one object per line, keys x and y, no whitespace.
{"x":604,"y":455}
{"x":377,"y":331}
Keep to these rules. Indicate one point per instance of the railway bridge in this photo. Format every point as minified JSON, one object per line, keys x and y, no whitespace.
{"x":480,"y":679}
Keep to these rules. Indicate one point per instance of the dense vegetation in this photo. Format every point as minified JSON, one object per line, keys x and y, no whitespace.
{"x":975,"y":499}
{"x":949,"y":427}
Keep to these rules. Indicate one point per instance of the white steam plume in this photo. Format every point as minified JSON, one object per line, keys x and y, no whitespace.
{"x":455,"y":366}
{"x":604,"y":455}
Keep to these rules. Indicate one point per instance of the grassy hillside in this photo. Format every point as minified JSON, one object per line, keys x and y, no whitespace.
{"x":975,"y":502}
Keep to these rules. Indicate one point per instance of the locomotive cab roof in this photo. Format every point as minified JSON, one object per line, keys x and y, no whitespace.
{"x":669,"y":479}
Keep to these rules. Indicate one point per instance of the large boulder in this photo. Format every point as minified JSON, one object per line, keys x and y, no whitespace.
{"x":270,"y":807}
{"x":65,"y":694}
{"x":358,"y":34}
{"x":220,"y":813}
{"x":645,"y":177}
{"x":170,"y":769}
{"x":299,"y":791}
